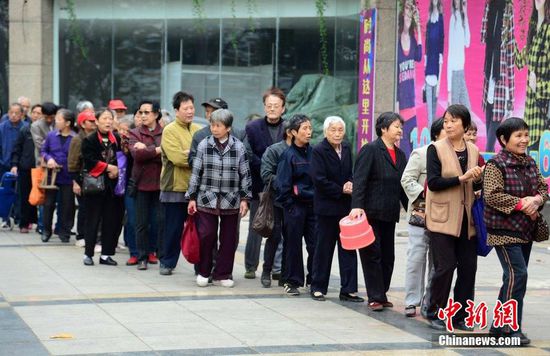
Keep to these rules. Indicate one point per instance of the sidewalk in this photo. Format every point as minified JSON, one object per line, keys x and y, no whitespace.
{"x":50,"y":303}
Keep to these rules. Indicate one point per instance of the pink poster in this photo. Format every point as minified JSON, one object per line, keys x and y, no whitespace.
{"x":463,"y":51}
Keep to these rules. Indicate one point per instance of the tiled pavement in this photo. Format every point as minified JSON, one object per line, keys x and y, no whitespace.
{"x":51,"y":304}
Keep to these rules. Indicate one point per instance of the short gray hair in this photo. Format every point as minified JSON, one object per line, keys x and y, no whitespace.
{"x":127,"y":119}
{"x":333,"y":120}
{"x":223,"y":116}
{"x":83,"y":105}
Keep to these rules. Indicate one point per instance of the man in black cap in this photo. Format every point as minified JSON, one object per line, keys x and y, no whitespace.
{"x":209,"y":107}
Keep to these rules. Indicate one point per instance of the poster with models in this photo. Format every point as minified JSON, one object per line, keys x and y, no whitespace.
{"x":491,"y":55}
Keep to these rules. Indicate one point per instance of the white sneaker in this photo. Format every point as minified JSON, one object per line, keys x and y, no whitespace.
{"x":97,"y":248}
{"x":227,"y":283}
{"x":202,"y":281}
{"x":80,"y":243}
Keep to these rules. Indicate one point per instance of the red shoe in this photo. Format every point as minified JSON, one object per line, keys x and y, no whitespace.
{"x":375,"y":306}
{"x":132,"y":261}
{"x":152,"y":259}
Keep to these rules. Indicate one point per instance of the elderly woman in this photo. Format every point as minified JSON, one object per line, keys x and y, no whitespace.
{"x":331,"y":172}
{"x":452,"y":170}
{"x":219,"y":191}
{"x":377,"y":193}
{"x":514,"y":194}
{"x":413,"y":182}
{"x":54,"y":152}
{"x":105,"y":208}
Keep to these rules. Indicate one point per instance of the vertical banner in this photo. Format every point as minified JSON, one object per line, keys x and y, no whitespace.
{"x":488,"y":55}
{"x":367,"y":47}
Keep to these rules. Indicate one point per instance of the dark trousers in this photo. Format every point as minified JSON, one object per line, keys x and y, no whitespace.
{"x":272,"y":243}
{"x":207,"y":228}
{"x":66,"y":205}
{"x":299,"y":221}
{"x":147,"y":222}
{"x":328,"y":231}
{"x":107,"y":210}
{"x":450,"y":253}
{"x":514,"y":260}
{"x":175,"y":215}
{"x":491,"y":128}
{"x":377,"y":260}
{"x":28,"y":211}
{"x":81,"y":218}
{"x":253,"y":241}
{"x":130,"y":225}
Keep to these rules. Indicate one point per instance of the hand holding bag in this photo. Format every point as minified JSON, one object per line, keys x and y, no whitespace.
{"x":190,"y":244}
{"x":92,"y":185}
{"x":418,"y":213}
{"x":264,"y":220}
{"x":481,"y":230}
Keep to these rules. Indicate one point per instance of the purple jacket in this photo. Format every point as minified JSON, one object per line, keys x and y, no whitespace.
{"x":52,"y":148}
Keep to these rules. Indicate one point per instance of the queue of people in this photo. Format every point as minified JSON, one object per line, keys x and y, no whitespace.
{"x":158,"y":172}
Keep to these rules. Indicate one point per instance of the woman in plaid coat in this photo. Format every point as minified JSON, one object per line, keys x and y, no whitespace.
{"x":514,"y":194}
{"x":536,"y":55}
{"x":219,"y":190}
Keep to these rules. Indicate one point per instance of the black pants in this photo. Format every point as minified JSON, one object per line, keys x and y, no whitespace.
{"x":28,"y":211}
{"x":377,"y":260}
{"x":65,"y":206}
{"x":147,"y":222}
{"x":81,"y":218}
{"x":491,"y":128}
{"x":272,"y":243}
{"x":450,"y":253}
{"x":175,"y":215}
{"x":106,"y":210}
{"x":328,"y":231}
{"x":299,"y":221}
{"x":514,"y":260}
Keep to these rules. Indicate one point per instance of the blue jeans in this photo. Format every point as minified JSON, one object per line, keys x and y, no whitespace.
{"x":514,"y":259}
{"x":130,"y":226}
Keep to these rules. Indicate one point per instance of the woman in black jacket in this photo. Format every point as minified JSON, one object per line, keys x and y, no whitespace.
{"x":99,"y":155}
{"x":331,"y":172}
{"x":377,"y":192}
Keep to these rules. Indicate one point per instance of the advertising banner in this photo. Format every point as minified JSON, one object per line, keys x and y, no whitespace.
{"x":492,"y":56}
{"x":367,"y":46}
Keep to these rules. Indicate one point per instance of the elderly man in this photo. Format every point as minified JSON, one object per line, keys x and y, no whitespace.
{"x":9,"y":131}
{"x":41,"y":127}
{"x":25,"y":106}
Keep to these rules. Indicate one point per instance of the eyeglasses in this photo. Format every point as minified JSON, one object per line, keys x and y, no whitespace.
{"x":144,"y":112}
{"x":273,"y":106}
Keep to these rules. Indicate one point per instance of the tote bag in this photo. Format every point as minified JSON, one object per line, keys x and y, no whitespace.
{"x":190,"y":245}
{"x":481,"y":230}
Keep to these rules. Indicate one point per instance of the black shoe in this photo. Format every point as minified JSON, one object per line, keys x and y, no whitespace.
{"x":461,"y":325}
{"x":523,"y":339}
{"x":64,"y":239}
{"x":437,"y":324}
{"x":165,"y":271}
{"x":46,"y":237}
{"x":109,"y":261}
{"x":88,"y":261}
{"x":275,"y":276}
{"x":346,"y":297}
{"x":142,"y":265}
{"x":266,"y":279}
{"x":291,"y":290}
{"x":318,"y":296}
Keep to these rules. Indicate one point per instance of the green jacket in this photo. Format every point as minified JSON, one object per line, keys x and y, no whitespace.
{"x":175,"y":145}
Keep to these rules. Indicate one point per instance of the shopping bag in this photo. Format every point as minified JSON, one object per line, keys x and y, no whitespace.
{"x":122,"y":164}
{"x":190,"y":245}
{"x":264,"y":219}
{"x":481,"y":231}
{"x":37,"y":195}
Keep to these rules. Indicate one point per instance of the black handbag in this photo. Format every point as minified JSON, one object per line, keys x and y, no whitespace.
{"x":93,"y":185}
{"x":264,"y":220}
{"x":542,"y":232}
{"x":418,"y":215}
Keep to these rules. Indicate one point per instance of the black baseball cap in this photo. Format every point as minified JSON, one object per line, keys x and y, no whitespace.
{"x":216,"y":103}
